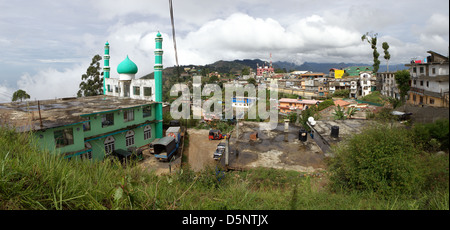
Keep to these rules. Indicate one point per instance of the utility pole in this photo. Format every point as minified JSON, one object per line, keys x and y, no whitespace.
{"x":40,"y":118}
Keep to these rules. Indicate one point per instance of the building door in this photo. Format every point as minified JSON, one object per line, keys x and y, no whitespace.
{"x":109,"y":145}
{"x":126,"y":90}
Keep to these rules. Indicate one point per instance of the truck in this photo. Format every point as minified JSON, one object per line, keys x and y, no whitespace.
{"x":165,"y":148}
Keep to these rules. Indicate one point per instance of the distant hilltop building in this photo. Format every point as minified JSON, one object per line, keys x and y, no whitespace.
{"x":127,"y":117}
{"x":265,"y":70}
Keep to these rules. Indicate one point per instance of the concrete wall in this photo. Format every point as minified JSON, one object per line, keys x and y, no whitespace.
{"x":98,"y":145}
{"x":112,"y":83}
{"x":46,"y":139}
{"x":141,"y":83}
{"x":425,"y":114}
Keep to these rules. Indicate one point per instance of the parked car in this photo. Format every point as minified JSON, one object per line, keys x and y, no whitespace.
{"x":219,"y":151}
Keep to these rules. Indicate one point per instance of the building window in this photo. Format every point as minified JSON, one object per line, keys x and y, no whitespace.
{"x":107,"y":119}
{"x":420,"y":100}
{"x":147,"y":132}
{"x":87,"y":125}
{"x":414,"y":70}
{"x":128,"y":115}
{"x":433,"y":70}
{"x":147,"y":91}
{"x":414,"y":97}
{"x":428,"y":84}
{"x":116,"y":89}
{"x":421,"y":69}
{"x":415,"y":82}
{"x":109,"y":145}
{"x":63,"y":137}
{"x":431,"y":101}
{"x":129,"y":138}
{"x":136,"y":90}
{"x":86,"y":156}
{"x":421,"y":83}
{"x":147,"y":111}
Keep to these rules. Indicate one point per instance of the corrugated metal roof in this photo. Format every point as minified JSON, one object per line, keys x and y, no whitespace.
{"x":174,"y":129}
{"x":164,"y":141}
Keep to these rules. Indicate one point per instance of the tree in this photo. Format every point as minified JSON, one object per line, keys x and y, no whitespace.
{"x":251,"y":81}
{"x":339,"y":113}
{"x":213,"y":79}
{"x":293,"y":117}
{"x":402,"y":78}
{"x":387,"y":55}
{"x":372,"y":40}
{"x":20,"y":95}
{"x":351,"y":111}
{"x":92,"y":81}
{"x":205,"y":72}
{"x":245,"y":71}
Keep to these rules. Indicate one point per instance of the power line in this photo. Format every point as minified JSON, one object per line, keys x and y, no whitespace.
{"x":173,"y":36}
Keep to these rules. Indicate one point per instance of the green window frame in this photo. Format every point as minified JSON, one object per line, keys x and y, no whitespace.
{"x":63,"y":137}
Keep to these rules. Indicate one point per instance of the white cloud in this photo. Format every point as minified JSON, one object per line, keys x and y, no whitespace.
{"x":46,"y":37}
{"x":5,"y":94}
{"x":241,"y":36}
{"x":51,"y":83}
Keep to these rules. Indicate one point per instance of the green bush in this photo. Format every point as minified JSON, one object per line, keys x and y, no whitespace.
{"x":433,"y":136}
{"x":341,"y":93}
{"x":310,"y":112}
{"x":374,"y":97}
{"x":381,"y":159}
{"x":325,"y":104}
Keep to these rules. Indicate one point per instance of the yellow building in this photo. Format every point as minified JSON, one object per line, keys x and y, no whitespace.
{"x":336,"y":73}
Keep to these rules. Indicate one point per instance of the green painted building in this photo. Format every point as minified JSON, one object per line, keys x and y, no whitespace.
{"x":355,"y":70}
{"x":93,"y":127}
{"x":89,"y":127}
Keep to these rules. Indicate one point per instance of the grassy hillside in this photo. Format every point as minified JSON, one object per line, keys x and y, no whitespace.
{"x":33,"y":180}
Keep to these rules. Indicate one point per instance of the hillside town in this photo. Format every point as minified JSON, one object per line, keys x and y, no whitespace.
{"x":127,"y":120}
{"x":231,"y":135}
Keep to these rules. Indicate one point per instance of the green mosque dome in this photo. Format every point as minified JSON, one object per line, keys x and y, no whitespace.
{"x":127,"y":67}
{"x":158,"y":35}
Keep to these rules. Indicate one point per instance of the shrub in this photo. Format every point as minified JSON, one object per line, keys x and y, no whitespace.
{"x":339,"y":113}
{"x":374,"y":97}
{"x":310,"y":112}
{"x":433,"y":136}
{"x":325,"y":104}
{"x":341,"y":93}
{"x":380,"y":159}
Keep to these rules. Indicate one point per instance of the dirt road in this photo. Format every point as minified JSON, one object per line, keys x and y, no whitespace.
{"x":201,"y":149}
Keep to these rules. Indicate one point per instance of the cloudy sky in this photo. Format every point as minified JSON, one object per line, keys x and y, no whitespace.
{"x":46,"y":45}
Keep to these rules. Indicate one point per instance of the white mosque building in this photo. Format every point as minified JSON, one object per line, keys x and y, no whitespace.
{"x":126,"y":85}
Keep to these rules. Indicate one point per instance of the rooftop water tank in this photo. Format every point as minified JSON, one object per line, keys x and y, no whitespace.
{"x":335,"y":131}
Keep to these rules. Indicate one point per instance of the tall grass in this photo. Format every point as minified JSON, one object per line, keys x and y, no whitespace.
{"x":32,"y":179}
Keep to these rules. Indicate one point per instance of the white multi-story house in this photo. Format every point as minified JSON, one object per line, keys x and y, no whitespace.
{"x":353,"y":89}
{"x":365,"y":83}
{"x":388,"y":85}
{"x":429,"y":81}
